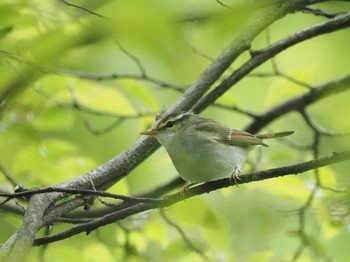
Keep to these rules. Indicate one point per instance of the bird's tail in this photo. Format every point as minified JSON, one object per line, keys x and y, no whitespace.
{"x":274,"y":135}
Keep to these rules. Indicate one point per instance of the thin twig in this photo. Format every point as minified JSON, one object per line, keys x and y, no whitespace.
{"x":83,"y":9}
{"x":319,"y":12}
{"x":73,"y":191}
{"x":79,"y":106}
{"x":114,"y":76}
{"x":298,"y":102}
{"x":183,"y":235}
{"x":261,"y":56}
{"x":133,"y":58}
{"x":7,"y":174}
{"x":318,"y":129}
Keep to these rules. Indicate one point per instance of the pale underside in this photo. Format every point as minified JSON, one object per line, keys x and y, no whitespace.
{"x":203,"y":149}
{"x":207,"y":162}
{"x":207,"y":156}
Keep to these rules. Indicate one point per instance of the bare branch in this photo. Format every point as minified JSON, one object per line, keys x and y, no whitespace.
{"x":333,"y":158}
{"x":319,"y":12}
{"x":7,"y":175}
{"x":135,"y":59}
{"x":77,"y":105}
{"x":222,"y":4}
{"x":261,"y":56}
{"x":318,"y":129}
{"x":113,"y":76}
{"x":183,"y":235}
{"x":237,"y":109}
{"x":82,"y":8}
{"x":313,"y":95}
{"x":73,"y":191}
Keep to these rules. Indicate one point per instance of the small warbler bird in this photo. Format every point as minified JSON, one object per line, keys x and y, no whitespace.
{"x":203,"y":149}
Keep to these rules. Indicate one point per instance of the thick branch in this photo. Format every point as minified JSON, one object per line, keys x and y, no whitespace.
{"x":333,"y":158}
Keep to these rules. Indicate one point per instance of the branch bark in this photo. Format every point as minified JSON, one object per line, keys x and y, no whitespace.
{"x":333,"y":158}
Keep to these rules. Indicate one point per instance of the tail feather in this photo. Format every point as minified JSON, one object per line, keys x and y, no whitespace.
{"x":274,"y":135}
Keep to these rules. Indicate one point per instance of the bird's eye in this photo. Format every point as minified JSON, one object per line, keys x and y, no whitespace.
{"x":170,"y":124}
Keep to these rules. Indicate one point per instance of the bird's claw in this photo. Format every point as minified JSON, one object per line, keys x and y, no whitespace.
{"x":235,"y":176}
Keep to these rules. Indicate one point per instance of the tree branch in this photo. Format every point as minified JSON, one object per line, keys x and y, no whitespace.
{"x":333,"y":158}
{"x":299,"y":102}
{"x":319,"y":12}
{"x":82,"y":8}
{"x":261,"y":56}
{"x":73,"y":191}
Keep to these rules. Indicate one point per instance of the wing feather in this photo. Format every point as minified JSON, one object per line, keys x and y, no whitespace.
{"x":244,"y":139}
{"x":230,"y":136}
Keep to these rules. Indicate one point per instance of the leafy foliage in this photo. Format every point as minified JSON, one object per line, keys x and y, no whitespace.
{"x":81,"y":79}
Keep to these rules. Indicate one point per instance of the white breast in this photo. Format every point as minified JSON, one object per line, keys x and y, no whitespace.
{"x":202,"y":159}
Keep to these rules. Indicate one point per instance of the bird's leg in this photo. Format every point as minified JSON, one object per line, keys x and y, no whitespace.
{"x":235,"y":176}
{"x":186,"y":188}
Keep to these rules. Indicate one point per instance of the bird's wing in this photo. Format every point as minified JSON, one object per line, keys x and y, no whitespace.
{"x":228,"y":135}
{"x":244,"y":139}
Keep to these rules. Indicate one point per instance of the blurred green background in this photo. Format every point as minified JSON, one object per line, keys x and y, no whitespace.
{"x":47,"y":50}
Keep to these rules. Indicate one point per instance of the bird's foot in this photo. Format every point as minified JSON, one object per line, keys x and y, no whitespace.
{"x":186,"y":188}
{"x":235,"y":176}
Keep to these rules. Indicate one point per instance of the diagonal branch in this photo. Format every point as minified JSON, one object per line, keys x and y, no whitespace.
{"x":261,"y":56}
{"x":299,"y":102}
{"x":333,"y":158}
{"x":89,"y":11}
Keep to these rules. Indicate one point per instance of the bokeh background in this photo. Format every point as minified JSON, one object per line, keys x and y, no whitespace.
{"x":81,"y":83}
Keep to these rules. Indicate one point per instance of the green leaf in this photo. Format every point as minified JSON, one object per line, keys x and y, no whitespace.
{"x":7,"y":13}
{"x":43,"y":163}
{"x":101,"y":97}
{"x":53,"y":118}
{"x":262,"y":257}
{"x":139,"y":94}
{"x":4,"y":31}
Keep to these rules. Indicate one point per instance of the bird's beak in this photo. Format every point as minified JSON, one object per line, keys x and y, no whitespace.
{"x":151,"y":132}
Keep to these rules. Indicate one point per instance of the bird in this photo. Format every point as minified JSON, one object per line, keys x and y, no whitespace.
{"x":203,"y":149}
